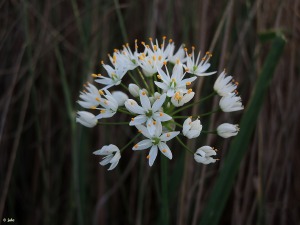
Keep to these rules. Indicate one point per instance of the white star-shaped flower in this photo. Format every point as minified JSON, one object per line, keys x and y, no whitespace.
{"x":148,"y":113}
{"x":109,"y":106}
{"x":155,"y":141}
{"x":89,"y":98}
{"x":175,"y":83}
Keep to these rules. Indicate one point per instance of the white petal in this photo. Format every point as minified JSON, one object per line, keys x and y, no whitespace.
{"x":169,"y":135}
{"x":145,"y":101}
{"x":132,"y":106}
{"x":158,"y":103}
{"x":138,"y":120}
{"x":152,"y":154}
{"x":150,"y":126}
{"x":164,"y":148}
{"x":144,"y":144}
{"x":163,"y":86}
{"x":160,"y":116}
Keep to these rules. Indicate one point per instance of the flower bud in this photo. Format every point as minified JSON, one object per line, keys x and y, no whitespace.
{"x":86,"y":119}
{"x":120,"y":97}
{"x":227,"y":130}
{"x":134,"y":90}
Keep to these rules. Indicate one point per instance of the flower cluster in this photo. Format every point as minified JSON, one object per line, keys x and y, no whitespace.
{"x":159,"y":83}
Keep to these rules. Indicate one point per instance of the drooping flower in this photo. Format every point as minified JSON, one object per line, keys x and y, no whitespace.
{"x":112,"y":155}
{"x":109,"y":106}
{"x":203,"y":155}
{"x":227,"y":130}
{"x":196,"y":66}
{"x":179,"y":99}
{"x":191,"y":129}
{"x":147,"y":113}
{"x":89,"y":98}
{"x":231,"y":103}
{"x":86,"y":119}
{"x":155,"y":141}
{"x":120,"y":97}
{"x":175,"y":83}
{"x":224,"y":85}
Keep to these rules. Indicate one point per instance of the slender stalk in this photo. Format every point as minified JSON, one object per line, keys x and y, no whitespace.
{"x":133,"y":78}
{"x":130,"y":142}
{"x":209,"y":113}
{"x":183,"y":145}
{"x":164,"y":190}
{"x":194,"y":103}
{"x":121,"y":21}
{"x":123,"y":86}
{"x":143,"y":79}
{"x":124,"y":111}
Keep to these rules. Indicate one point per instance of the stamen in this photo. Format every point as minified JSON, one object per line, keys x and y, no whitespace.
{"x":164,"y":150}
{"x":188,"y":83}
{"x":132,"y":119}
{"x":93,"y":107}
{"x":190,"y":90}
{"x":161,"y":114}
{"x":159,"y":77}
{"x":97,"y":99}
{"x":148,"y":157}
{"x":154,"y":122}
{"x":102,"y":111}
{"x":168,"y":134}
{"x":136,"y":146}
{"x":101,"y":92}
{"x":143,"y":93}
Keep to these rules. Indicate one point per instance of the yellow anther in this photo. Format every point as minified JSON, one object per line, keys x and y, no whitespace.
{"x":185,"y":49}
{"x":177,"y":61}
{"x":149,"y":125}
{"x":207,"y":53}
{"x":116,"y":50}
{"x":164,"y":37}
{"x":187,"y":69}
{"x":168,"y":134}
{"x":159,"y":57}
{"x":141,"y":57}
{"x":193,"y":48}
{"x":190,"y":55}
{"x":139,"y":131}
{"x":148,"y":156}
{"x":188,"y":83}
{"x":159,"y":77}
{"x":154,"y":122}
{"x":94,"y":75}
{"x":97,"y":99}
{"x":101,"y":92}
{"x":164,"y":150}
{"x":170,"y":40}
{"x":154,"y":47}
{"x":93,"y":107}
{"x":143,"y":43}
{"x":203,"y":58}
{"x":105,"y":102}
{"x":236,"y":83}
{"x":150,"y":38}
{"x":132,"y":119}
{"x":161,"y":114}
{"x":147,"y":46}
{"x":189,"y":91}
{"x":143,"y":93}
{"x":173,"y":80}
{"x":154,"y":58}
{"x":210,"y":55}
{"x":127,"y":45}
{"x":102,"y":111}
{"x":102,"y":62}
{"x":165,"y":62}
{"x":136,"y":146}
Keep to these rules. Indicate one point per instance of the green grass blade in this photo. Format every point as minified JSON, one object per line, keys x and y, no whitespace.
{"x":223,"y":185}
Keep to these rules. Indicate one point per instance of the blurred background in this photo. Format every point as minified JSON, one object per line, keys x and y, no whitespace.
{"x":49,"y":175}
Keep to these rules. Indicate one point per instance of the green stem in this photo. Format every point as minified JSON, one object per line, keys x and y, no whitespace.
{"x":194,"y":103}
{"x":183,"y":145}
{"x":143,"y":79}
{"x":135,"y":80}
{"x":164,"y":190}
{"x":209,"y":113}
{"x":209,"y":132}
{"x":130,"y":142}
{"x":121,"y":21}
{"x":123,"y":111}
{"x":124,"y":86}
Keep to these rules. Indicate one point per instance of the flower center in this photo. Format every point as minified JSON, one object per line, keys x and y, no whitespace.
{"x":149,"y":113}
{"x":155,"y":140}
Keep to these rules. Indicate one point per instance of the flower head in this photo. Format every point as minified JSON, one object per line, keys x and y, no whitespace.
{"x":231,"y":103}
{"x":224,"y":85}
{"x":227,"y":130}
{"x":203,"y":155}
{"x":86,"y":119}
{"x":89,"y":98}
{"x":156,"y":141}
{"x":179,"y":99}
{"x":112,"y":155}
{"x":191,"y":129}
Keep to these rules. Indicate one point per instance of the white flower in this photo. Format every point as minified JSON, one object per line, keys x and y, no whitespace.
{"x":115,"y":76}
{"x":112,"y":155}
{"x":193,"y":66}
{"x":148,"y":112}
{"x":203,"y":155}
{"x":231,"y":103}
{"x":120,"y":97}
{"x":156,"y":141}
{"x":191,"y":129}
{"x":179,"y":55}
{"x":175,"y":83}
{"x":224,"y":85}
{"x":179,"y":99}
{"x":89,"y":98}
{"x":86,"y":119}
{"x":227,"y":130}
{"x":109,"y":106}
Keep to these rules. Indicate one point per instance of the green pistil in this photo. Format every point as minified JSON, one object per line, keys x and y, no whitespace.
{"x":149,"y":113}
{"x":155,"y":140}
